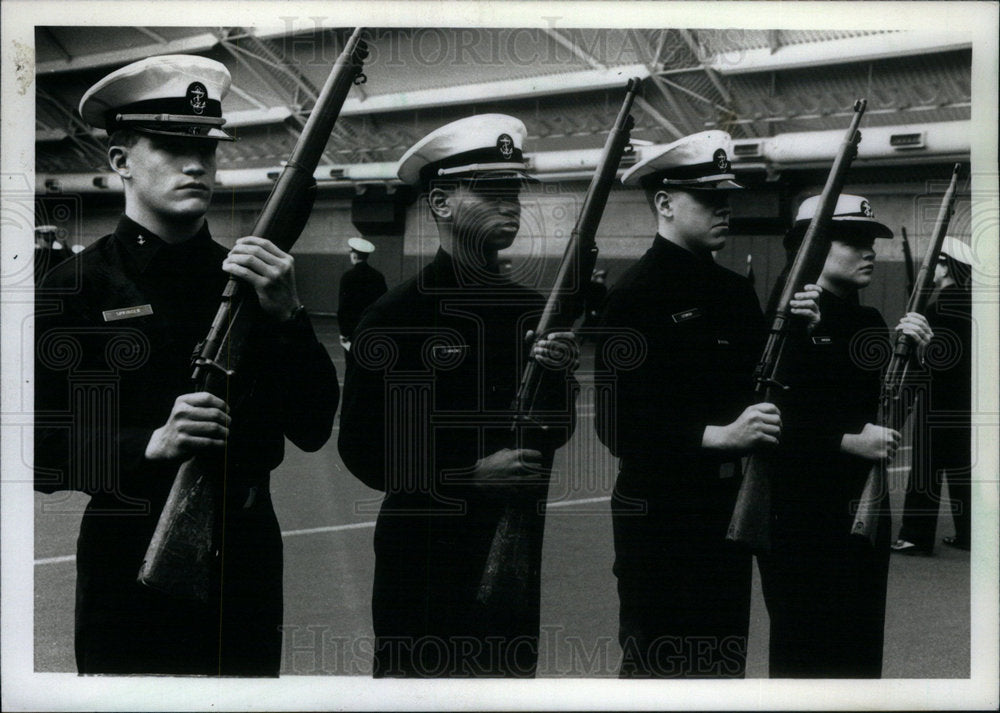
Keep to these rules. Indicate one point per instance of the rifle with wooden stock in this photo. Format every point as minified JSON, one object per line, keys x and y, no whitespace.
{"x":893,"y":408}
{"x":750,"y":522}
{"x":907,"y":261}
{"x":179,"y":558}
{"x":505,"y":576}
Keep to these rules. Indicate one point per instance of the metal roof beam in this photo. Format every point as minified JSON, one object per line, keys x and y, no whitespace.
{"x":196,"y":43}
{"x":692,"y":43}
{"x":156,"y":37}
{"x":660,"y":119}
{"x":573,"y":47}
{"x":502,"y":90}
{"x":76,"y":130}
{"x":852,"y":49}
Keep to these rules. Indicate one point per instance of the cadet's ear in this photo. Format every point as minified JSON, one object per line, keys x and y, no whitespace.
{"x":438,"y":201}
{"x":664,"y":205}
{"x":118,"y":159}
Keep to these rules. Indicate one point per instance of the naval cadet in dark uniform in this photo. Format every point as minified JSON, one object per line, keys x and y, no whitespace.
{"x":427,"y":418}
{"x":680,"y":338}
{"x":943,"y":417}
{"x":115,"y":416}
{"x":49,"y":251}
{"x":360,"y":286}
{"x":824,"y":587}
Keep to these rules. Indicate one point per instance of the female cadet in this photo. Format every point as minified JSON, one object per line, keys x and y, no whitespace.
{"x":824,"y":588}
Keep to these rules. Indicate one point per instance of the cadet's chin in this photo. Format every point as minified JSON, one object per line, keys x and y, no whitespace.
{"x":718,"y":241}
{"x":193,"y":207}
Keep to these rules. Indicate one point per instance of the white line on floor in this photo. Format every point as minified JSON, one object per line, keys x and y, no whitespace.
{"x":334,"y":528}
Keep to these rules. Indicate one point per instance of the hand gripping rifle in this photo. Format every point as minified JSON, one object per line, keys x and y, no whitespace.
{"x":179,"y":558}
{"x":892,"y":407}
{"x":504,"y":583}
{"x":750,"y":523}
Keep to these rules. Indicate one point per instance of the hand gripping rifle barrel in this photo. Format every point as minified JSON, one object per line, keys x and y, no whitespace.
{"x":505,"y":581}
{"x":180,"y":555}
{"x":750,"y":522}
{"x":892,"y":407}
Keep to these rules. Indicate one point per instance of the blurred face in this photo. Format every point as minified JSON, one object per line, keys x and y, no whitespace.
{"x":172,"y":178}
{"x":486,"y":215}
{"x":849,"y":266}
{"x":699,"y":220}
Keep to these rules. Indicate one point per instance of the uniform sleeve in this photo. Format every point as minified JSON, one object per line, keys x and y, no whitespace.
{"x":361,"y":442}
{"x":308,"y":385}
{"x":81,"y":439}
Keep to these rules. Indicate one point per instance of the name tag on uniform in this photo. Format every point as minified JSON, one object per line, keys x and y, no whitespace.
{"x":113,"y":315}
{"x":450,"y":351}
{"x":822,"y":341}
{"x":686,"y":315}
{"x":722,"y":342}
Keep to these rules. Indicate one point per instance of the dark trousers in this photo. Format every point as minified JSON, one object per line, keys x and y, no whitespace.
{"x":940,"y":453}
{"x":825,"y":593}
{"x":123,"y":627}
{"x":684,"y":593}
{"x":427,"y":618}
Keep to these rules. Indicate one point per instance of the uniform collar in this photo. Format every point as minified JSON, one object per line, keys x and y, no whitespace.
{"x":143,"y":245}
{"x":446,"y":273}
{"x":665,"y":249}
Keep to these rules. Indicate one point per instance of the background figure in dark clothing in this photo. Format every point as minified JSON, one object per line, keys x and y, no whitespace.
{"x":114,"y":416}
{"x":678,"y":412}
{"x":427,"y":419}
{"x":49,"y":252}
{"x":360,"y":286}
{"x":942,"y":426}
{"x":825,"y":588}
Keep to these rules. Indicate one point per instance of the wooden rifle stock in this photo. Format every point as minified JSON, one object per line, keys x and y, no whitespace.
{"x":180,"y":554}
{"x":892,"y":407}
{"x":504,"y":584}
{"x":750,"y":522}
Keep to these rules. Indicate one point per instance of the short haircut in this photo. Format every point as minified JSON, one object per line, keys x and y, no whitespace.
{"x":123,"y":137}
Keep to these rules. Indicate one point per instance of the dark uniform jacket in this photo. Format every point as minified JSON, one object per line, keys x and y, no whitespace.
{"x":825,"y":588}
{"x":680,"y":338}
{"x":438,"y":361}
{"x":833,"y":375}
{"x":949,"y":358}
{"x":115,"y":332}
{"x":359,"y":287}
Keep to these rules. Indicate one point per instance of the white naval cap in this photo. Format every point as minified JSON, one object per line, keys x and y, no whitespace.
{"x":853,"y":214}
{"x":361,"y":245}
{"x":957,"y":250}
{"x":175,"y":95}
{"x":696,"y":162}
{"x":478,"y":146}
